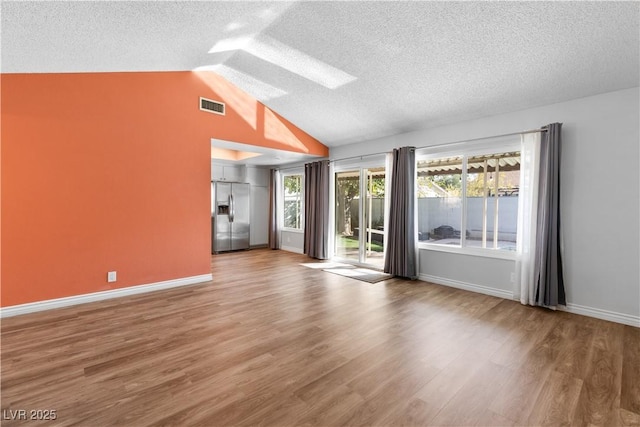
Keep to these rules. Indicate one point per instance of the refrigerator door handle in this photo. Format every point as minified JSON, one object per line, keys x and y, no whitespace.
{"x":232,"y":210}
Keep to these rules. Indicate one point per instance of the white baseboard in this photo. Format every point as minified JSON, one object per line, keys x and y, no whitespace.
{"x":292,"y":249}
{"x":598,"y":313}
{"x":467,"y":286}
{"x":612,"y":316}
{"x":32,"y":307}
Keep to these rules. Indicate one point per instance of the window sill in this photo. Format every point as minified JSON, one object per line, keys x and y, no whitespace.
{"x":292,"y":230}
{"x":485,"y":253}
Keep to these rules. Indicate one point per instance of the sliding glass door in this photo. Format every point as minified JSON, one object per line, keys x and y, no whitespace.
{"x":348,"y":215}
{"x":359,"y":215}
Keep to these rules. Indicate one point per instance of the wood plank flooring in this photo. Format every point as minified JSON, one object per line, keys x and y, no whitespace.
{"x":270,"y":342}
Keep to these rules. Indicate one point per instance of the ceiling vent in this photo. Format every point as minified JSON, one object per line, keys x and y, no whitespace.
{"x":211,"y":106}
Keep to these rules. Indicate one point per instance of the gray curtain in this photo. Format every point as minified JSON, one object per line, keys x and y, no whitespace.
{"x":548,"y":258}
{"x":316,"y":209}
{"x":273,"y":210}
{"x":400,"y":254}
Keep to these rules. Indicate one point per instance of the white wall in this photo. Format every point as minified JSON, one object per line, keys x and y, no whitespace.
{"x":258,"y":177}
{"x":292,"y":241}
{"x":259,"y":231}
{"x":488,"y":275}
{"x":600,"y":158}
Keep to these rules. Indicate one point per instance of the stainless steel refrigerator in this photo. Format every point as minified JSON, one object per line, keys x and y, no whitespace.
{"x":229,"y":216}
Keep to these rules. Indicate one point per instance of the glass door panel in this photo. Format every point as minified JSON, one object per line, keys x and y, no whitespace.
{"x":359,"y":215}
{"x":347,"y":231}
{"x":374,"y":211}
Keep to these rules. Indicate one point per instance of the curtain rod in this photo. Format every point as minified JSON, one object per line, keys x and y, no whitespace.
{"x":483,"y":138}
{"x":433,"y":146}
{"x":290,"y":167}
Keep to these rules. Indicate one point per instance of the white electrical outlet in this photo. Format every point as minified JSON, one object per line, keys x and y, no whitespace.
{"x":513,"y":277}
{"x":111,"y":276}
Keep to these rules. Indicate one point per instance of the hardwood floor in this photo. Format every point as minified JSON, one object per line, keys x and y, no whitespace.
{"x":270,"y":342}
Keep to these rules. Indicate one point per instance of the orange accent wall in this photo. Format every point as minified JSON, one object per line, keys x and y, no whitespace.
{"x":111,"y":171}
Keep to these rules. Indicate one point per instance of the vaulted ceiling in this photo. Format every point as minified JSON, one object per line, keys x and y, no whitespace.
{"x":346,"y":71}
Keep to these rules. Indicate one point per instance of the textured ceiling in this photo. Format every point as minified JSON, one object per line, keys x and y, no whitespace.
{"x":347,"y":71}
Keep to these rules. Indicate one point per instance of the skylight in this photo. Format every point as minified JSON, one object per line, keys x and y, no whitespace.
{"x":257,"y":88}
{"x":284,"y":56}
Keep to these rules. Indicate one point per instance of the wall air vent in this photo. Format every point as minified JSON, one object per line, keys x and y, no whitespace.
{"x":211,"y":106}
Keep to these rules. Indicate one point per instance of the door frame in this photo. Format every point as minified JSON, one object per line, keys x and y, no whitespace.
{"x":361,"y":166}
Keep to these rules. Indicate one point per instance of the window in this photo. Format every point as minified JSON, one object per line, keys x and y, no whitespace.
{"x":293,"y":204}
{"x":469,"y":200}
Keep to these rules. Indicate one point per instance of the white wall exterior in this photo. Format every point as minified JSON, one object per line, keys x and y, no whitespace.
{"x":600,"y":159}
{"x":432,"y":213}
